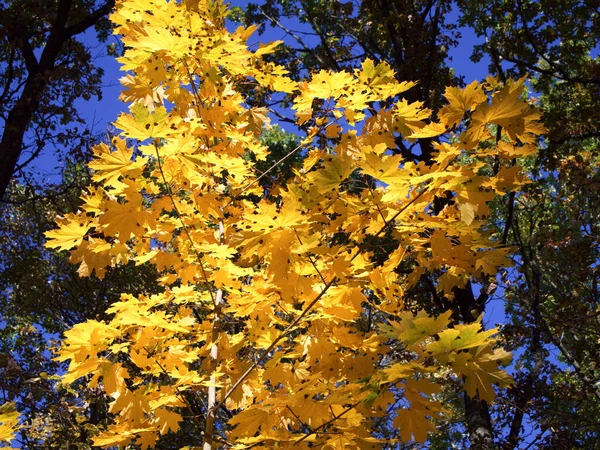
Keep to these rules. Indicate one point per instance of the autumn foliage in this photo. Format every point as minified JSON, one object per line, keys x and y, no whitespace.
{"x":284,"y":307}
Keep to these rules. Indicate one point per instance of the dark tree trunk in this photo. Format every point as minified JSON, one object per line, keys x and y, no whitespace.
{"x":16,"y":125}
{"x":479,"y":424}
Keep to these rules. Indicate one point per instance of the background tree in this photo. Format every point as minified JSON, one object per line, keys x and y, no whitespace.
{"x":44,"y":68}
{"x":557,"y":221}
{"x":553,"y":299}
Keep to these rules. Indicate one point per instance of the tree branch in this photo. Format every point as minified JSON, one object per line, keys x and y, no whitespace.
{"x":577,"y":137}
{"x":90,"y":20}
{"x":31,"y":62}
{"x":321,"y":35}
{"x":293,"y":35}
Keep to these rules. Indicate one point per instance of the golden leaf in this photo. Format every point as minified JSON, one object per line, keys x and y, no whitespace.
{"x":73,"y":228}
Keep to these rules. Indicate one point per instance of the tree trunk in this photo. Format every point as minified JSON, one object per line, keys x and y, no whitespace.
{"x":17,"y":122}
{"x":479,"y":424}
{"x":211,"y":406}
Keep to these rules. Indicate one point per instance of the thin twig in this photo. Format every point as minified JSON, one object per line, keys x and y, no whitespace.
{"x":329,"y":422}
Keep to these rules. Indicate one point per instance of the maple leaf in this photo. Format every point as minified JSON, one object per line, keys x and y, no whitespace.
{"x":467,"y":212}
{"x":270,"y":218}
{"x":414,"y":329}
{"x":447,"y":250}
{"x":382,"y":167}
{"x":141,"y":89}
{"x":9,"y":421}
{"x":167,"y":421}
{"x":249,"y":421}
{"x":461,"y":337}
{"x":507,"y":110}
{"x":490,"y":260}
{"x":335,"y":171}
{"x":123,"y":219}
{"x":460,"y":101}
{"x":399,"y":371}
{"x":381,"y":79}
{"x":480,"y":369}
{"x":91,"y":261}
{"x":510,"y":178}
{"x":324,"y":84}
{"x":413,"y":423}
{"x":73,"y":228}
{"x":162,"y":39}
{"x":117,"y":436}
{"x":141,"y":124}
{"x":343,"y":302}
{"x":110,"y":166}
{"x":428,"y":131}
{"x":113,"y":377}
{"x":408,"y":118}
{"x":83,"y":340}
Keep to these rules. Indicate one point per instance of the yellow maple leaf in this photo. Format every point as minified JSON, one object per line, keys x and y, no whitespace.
{"x":413,"y":423}
{"x":399,"y":371}
{"x":142,"y":89}
{"x":334,"y":172}
{"x":86,"y":339}
{"x":162,"y":39}
{"x":92,"y":261}
{"x":9,"y":421}
{"x":428,"y":131}
{"x":380,"y":80}
{"x":249,"y":421}
{"x":461,"y":337}
{"x":123,"y":219}
{"x":412,"y":329}
{"x":72,"y":229}
{"x":113,"y":377}
{"x":166,"y":420}
{"x":510,"y":150}
{"x":323,"y":85}
{"x":110,"y":166}
{"x":460,"y":101}
{"x":384,"y":168}
{"x":120,"y":435}
{"x":490,"y":260}
{"x":480,"y":367}
{"x":467,"y":212}
{"x":510,"y":178}
{"x":507,"y":110}
{"x":141,"y":124}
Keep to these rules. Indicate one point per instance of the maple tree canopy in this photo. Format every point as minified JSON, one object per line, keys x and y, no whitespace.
{"x":266,"y":293}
